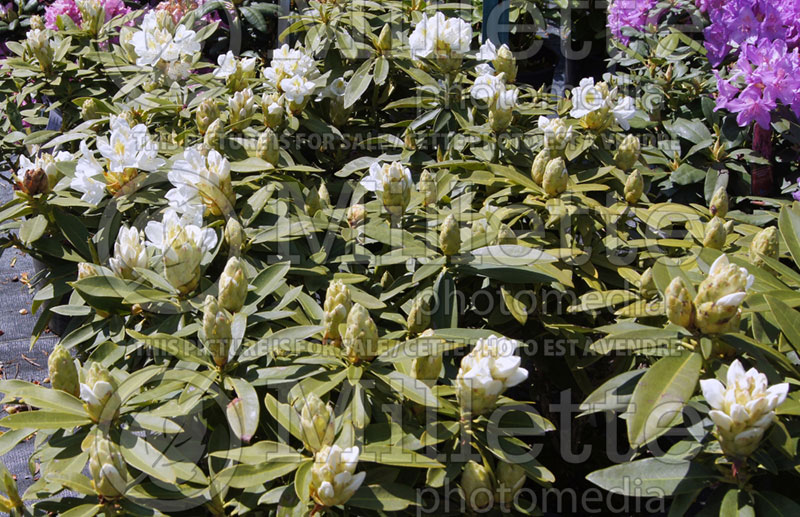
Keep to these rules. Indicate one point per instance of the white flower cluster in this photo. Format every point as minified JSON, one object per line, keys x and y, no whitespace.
{"x":236,"y":72}
{"x":333,"y":477}
{"x":292,"y":72}
{"x":182,"y":245}
{"x":441,"y":38}
{"x":490,"y":86}
{"x":487,"y":371}
{"x":157,"y":45}
{"x":598,"y":107}
{"x":393,"y":181}
{"x":125,"y":152}
{"x":129,"y":252}
{"x":743,"y":409}
{"x":201,"y":183}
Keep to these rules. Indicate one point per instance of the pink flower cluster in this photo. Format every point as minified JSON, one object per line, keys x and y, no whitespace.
{"x":69,"y":9}
{"x":630,"y":13}
{"x":764,"y":34}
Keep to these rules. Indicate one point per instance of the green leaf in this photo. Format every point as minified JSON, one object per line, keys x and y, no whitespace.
{"x":381,"y":70}
{"x":43,"y":420}
{"x":358,"y":84}
{"x":243,"y":411}
{"x":788,"y":319}
{"x":772,"y":504}
{"x":736,"y":504}
{"x":74,"y":481}
{"x":397,"y":456}
{"x":410,"y":388}
{"x":660,"y":396}
{"x":255,"y":18}
{"x":789,"y":226}
{"x":246,"y":476}
{"x":654,"y":476}
{"x":32,"y":229}
{"x":173,"y":345}
{"x":140,"y":454}
{"x":388,"y":497}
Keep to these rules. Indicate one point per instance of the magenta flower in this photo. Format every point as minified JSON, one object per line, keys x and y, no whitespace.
{"x":66,"y":8}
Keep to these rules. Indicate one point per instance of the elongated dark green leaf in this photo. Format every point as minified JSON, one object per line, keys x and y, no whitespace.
{"x":43,"y":420}
{"x":388,"y":497}
{"x":175,"y":346}
{"x":788,"y":319}
{"x":660,"y":396}
{"x":661,"y":477}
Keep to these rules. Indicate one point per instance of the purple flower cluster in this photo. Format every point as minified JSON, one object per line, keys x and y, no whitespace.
{"x":766,"y":73}
{"x":737,"y":22}
{"x":69,"y":9}
{"x":629,"y":13}
{"x":764,"y":34}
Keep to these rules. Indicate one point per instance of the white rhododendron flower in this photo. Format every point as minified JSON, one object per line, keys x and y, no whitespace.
{"x":333,"y":477}
{"x":89,"y":177}
{"x":743,"y":408}
{"x":242,"y":107}
{"x":486,"y":87}
{"x":182,"y":246}
{"x":227,"y":65}
{"x":126,"y":151}
{"x":296,"y":89}
{"x":286,"y":63}
{"x":599,"y":107}
{"x":488,"y":51}
{"x":201,"y":183}
{"x":487,"y":371}
{"x":720,"y":296}
{"x":157,"y":46}
{"x":334,"y":91}
{"x":557,"y":134}
{"x":440,"y":37}
{"x":129,"y":252}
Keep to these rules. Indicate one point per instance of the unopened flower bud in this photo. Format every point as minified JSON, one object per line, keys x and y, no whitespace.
{"x":419,"y":316}
{"x":680,"y":309}
{"x":476,"y":482}
{"x":729,"y":227}
{"x":628,"y":153}
{"x":450,"y":237}
{"x":556,"y":178}
{"x":385,"y":38}
{"x":510,"y":478}
{"x":386,"y":280}
{"x":356,"y":215}
{"x":715,"y":234}
{"x":336,"y":307}
{"x":720,"y":296}
{"x":647,"y":284}
{"x":214,"y":135}
{"x":109,"y":474}
{"x":634,"y":186}
{"x":99,"y":394}
{"x":63,"y":372}
{"x":324,"y":195}
{"x":269,"y":148}
{"x":505,"y":64}
{"x":317,"y":423}
{"x":217,"y":334}
{"x":34,"y":182}
{"x":234,"y":235}
{"x":540,"y":165}
{"x":37,"y":22}
{"x":360,"y":340}
{"x":274,"y":112}
{"x":427,"y":187}
{"x":427,"y":368}
{"x":241,"y":108}
{"x":86,"y":269}
{"x":207,"y":112}
{"x":89,"y":110}
{"x":232,"y":286}
{"x":764,"y":243}
{"x":719,"y":203}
